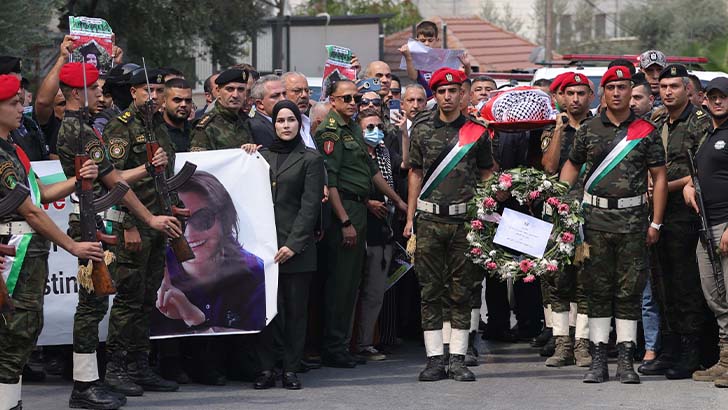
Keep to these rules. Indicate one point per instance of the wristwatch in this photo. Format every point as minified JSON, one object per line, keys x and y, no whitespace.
{"x":656,"y":226}
{"x":346,"y":223}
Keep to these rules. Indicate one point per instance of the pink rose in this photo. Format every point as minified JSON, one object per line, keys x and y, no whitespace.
{"x":534,"y":194}
{"x":567,"y":237}
{"x":476,"y":224}
{"x":553,"y":201}
{"x":476,"y":252}
{"x":491,"y":265}
{"x":490,"y":203}
{"x":506,"y":180}
{"x":551,"y":267}
{"x":526,"y":265}
{"x":564,"y":209}
{"x":529,"y":278}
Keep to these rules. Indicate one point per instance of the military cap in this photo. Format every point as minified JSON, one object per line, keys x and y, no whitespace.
{"x":9,"y":64}
{"x":121,"y":74}
{"x":156,"y":76}
{"x":72,"y":74}
{"x":718,"y":83}
{"x":369,"y":84}
{"x":9,"y":86}
{"x":616,"y":73}
{"x":445,"y":76}
{"x":674,"y":71}
{"x":650,"y":57}
{"x":574,"y":79}
{"x":556,"y":83}
{"x":232,"y":75}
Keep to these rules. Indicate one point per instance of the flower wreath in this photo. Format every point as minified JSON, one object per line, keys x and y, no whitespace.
{"x":525,"y":185}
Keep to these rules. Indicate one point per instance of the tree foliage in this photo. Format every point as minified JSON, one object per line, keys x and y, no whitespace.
{"x":501,"y":16}
{"x":24,"y":27}
{"x":405,"y":12}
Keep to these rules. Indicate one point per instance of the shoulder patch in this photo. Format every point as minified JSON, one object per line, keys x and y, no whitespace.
{"x":329,"y":146}
{"x":204,"y":121}
{"x":126,"y":117}
{"x":545,"y":142}
{"x":117,"y":147}
{"x":140,"y":138}
{"x":8,"y":175}
{"x":95,"y":151}
{"x":348,"y":138}
{"x":330,"y":136}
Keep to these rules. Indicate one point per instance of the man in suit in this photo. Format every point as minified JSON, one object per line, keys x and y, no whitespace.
{"x":266,"y":92}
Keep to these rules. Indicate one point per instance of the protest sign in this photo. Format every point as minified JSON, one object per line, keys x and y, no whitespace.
{"x":94,"y":42}
{"x":431,"y":59}
{"x":338,"y":66}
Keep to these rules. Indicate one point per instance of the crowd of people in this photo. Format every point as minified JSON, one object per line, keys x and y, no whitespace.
{"x":354,"y":181}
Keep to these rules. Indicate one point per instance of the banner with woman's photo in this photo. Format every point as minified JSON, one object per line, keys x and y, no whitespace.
{"x":229,"y":287}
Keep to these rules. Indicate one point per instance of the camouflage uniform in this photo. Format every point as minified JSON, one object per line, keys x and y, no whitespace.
{"x":140,"y":273}
{"x":91,"y":308}
{"x":441,"y":240}
{"x":221,"y":128}
{"x":350,"y":170}
{"x":19,"y":334}
{"x":683,"y":306}
{"x":615,"y":272}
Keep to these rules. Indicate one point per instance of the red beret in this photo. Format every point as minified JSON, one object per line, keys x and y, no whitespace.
{"x":556,"y":83}
{"x":9,"y":86}
{"x":616,"y":73}
{"x":446,"y":76}
{"x":72,"y":74}
{"x":574,"y":79}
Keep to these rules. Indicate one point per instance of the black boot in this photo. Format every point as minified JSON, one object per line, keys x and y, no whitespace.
{"x":549,"y":348}
{"x":32,"y":375}
{"x":117,"y":377}
{"x":471,"y":357}
{"x":435,"y":369}
{"x":665,"y":359}
{"x":598,"y":371}
{"x":457,"y":369}
{"x":94,"y":395}
{"x":171,"y":369}
{"x":625,"y":363}
{"x":689,"y":359}
{"x":143,"y":375}
{"x":290,"y":381}
{"x":265,"y":380}
{"x":543,"y":338}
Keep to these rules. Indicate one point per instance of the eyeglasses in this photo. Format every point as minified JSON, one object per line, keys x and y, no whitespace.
{"x":345,"y":98}
{"x":371,"y":127}
{"x":396,"y":90}
{"x":377,"y":102}
{"x":202,"y":220}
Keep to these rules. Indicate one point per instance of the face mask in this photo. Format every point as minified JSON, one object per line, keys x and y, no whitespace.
{"x":373,"y":137}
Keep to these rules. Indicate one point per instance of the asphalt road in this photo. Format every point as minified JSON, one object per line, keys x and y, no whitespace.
{"x":509,"y":377}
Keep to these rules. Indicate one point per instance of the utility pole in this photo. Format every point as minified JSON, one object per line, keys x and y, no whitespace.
{"x":549,"y":32}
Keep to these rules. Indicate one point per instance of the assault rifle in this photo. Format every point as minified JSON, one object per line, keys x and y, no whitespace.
{"x":706,"y":234}
{"x":163,"y":185}
{"x":89,"y":207}
{"x":8,"y":205}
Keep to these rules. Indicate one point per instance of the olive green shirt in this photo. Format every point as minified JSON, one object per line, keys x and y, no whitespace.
{"x":221,"y":128}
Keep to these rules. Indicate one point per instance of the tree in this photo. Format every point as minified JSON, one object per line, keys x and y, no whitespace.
{"x":405,"y":12}
{"x":23,"y":28}
{"x":501,"y":16}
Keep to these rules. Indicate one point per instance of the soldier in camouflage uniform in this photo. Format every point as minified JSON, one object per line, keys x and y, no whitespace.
{"x":19,"y":332}
{"x":443,"y":268}
{"x":617,"y":150}
{"x":91,"y":309}
{"x":224,"y":126}
{"x":140,"y":253}
{"x":681,"y":126}
{"x":564,"y":287}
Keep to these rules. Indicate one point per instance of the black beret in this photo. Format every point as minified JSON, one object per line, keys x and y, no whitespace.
{"x":120,"y":74}
{"x":674,"y":71}
{"x":156,"y":76}
{"x":10,"y":64}
{"x":232,"y":75}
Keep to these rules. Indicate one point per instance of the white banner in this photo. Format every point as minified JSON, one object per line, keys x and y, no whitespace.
{"x":246,"y":179}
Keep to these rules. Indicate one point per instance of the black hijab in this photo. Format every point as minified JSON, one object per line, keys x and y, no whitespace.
{"x":280,"y":146}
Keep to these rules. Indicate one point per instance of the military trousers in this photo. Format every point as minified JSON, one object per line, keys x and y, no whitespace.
{"x":19,"y":333}
{"x":344,"y":271}
{"x":564,"y":287}
{"x":677,"y":280}
{"x":445,"y":273}
{"x":615,"y":274}
{"x":139,"y":276}
{"x":717,"y":303}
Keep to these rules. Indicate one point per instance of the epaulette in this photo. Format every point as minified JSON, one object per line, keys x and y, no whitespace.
{"x":331,"y":124}
{"x":700,"y":113}
{"x":657,"y":113}
{"x":202,"y":123}
{"x":126,"y":117}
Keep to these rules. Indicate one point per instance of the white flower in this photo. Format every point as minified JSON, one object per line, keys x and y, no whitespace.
{"x":547,"y":184}
{"x":566,"y":248}
{"x":471,"y":236}
{"x":492,"y":253}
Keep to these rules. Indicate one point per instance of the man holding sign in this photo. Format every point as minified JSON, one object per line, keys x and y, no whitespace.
{"x":617,"y":149}
{"x":449,"y":155}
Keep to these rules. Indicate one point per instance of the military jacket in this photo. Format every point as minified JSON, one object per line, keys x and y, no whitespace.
{"x":683,"y":134}
{"x":350,"y":169}
{"x":125,"y":136}
{"x":627,"y":179}
{"x":429,"y":137}
{"x":219,"y":129}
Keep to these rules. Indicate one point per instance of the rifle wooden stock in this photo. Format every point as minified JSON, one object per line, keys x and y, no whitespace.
{"x":107,"y":239}
{"x":181,"y":249}
{"x":181,"y":212}
{"x":100,"y":276}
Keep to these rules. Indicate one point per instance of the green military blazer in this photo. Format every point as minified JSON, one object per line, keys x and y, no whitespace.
{"x":297,"y":186}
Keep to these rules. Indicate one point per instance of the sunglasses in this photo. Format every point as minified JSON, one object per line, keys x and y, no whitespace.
{"x":202,"y":220}
{"x":345,"y":98}
{"x":377,"y":102}
{"x":396,"y":91}
{"x":371,"y":127}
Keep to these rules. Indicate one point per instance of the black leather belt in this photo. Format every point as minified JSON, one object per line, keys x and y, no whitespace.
{"x":345,"y":195}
